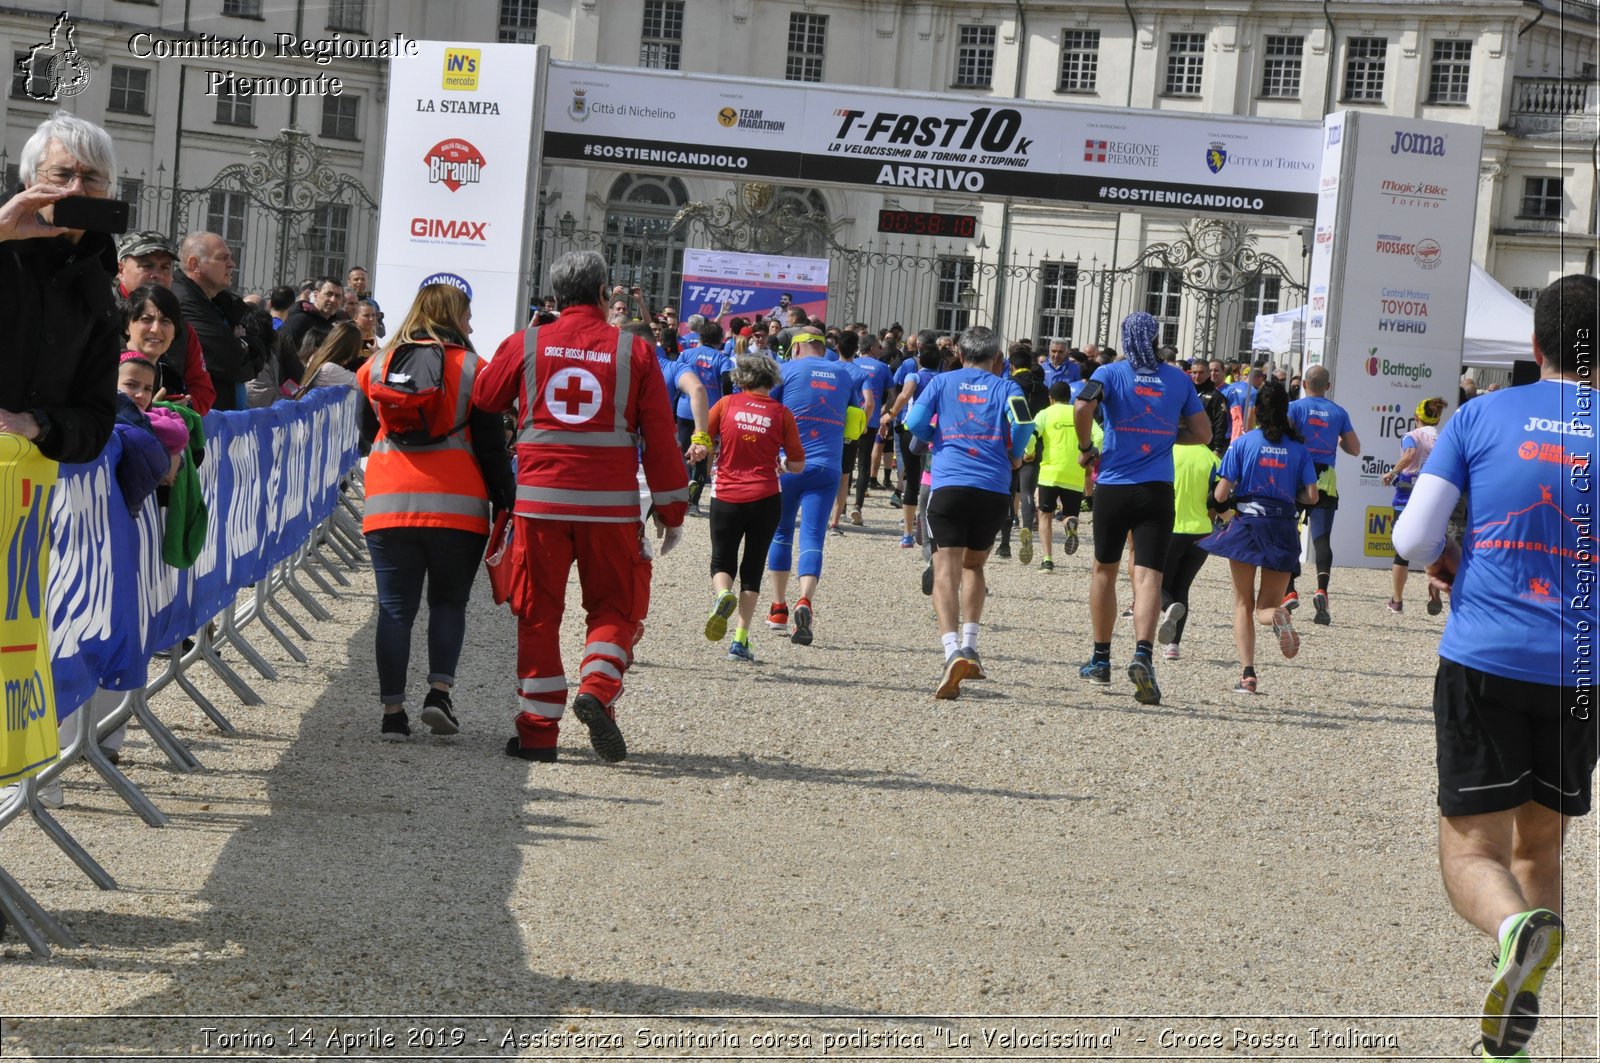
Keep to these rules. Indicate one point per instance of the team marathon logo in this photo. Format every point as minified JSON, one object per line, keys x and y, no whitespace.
{"x":454,"y":163}
{"x":54,"y":69}
{"x":752,"y":119}
{"x":454,"y":280}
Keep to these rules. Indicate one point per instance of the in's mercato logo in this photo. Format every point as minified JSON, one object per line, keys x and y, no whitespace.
{"x":461,"y":69}
{"x":1216,"y":156}
{"x":1379,"y":540}
{"x":451,"y":279}
{"x":1412,"y":371}
{"x":449,"y":229}
{"x":454,"y":163}
{"x":1417,"y":144}
{"x":54,"y":69}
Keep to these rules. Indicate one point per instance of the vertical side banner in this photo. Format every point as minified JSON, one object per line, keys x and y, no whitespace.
{"x":1397,"y":300}
{"x":29,"y":742}
{"x":456,"y":194}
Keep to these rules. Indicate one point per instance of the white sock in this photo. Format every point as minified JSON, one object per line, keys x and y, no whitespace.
{"x":1505,"y":927}
{"x":969,"y":636}
{"x":952,"y":643}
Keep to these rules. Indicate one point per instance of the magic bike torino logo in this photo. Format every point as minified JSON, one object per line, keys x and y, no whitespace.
{"x":54,"y":69}
{"x":461,"y":69}
{"x":1216,"y":156}
{"x":454,"y":163}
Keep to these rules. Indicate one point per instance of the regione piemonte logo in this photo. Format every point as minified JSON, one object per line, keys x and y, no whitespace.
{"x":1094,"y":151}
{"x":454,"y":163}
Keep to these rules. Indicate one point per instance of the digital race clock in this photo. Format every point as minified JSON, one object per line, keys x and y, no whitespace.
{"x":922,"y":223}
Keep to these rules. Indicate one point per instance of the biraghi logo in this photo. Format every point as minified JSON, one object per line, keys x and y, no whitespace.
{"x":1417,"y":144}
{"x":454,"y":163}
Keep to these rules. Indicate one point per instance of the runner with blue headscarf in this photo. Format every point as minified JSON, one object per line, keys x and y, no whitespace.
{"x":1149,"y":407}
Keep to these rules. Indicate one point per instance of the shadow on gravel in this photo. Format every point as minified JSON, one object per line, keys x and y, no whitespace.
{"x":383,"y":881}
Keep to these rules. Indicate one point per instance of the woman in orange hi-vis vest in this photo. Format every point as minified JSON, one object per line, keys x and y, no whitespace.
{"x":437,"y":466}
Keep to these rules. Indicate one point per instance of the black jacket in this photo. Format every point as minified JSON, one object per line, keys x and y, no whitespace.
{"x":1216,"y":407}
{"x":62,"y":342}
{"x":303,"y":321}
{"x":229,"y":360}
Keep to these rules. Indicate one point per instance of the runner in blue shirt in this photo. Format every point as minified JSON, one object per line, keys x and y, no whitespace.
{"x":978,"y":422}
{"x":1057,"y":366}
{"x":1513,"y":702}
{"x":1149,"y":407}
{"x":870,"y":452}
{"x":818,"y":393}
{"x":914,"y":372}
{"x":859,"y":443}
{"x":714,"y":369}
{"x":1265,"y":473}
{"x":1241,"y":396}
{"x":1326,"y":427}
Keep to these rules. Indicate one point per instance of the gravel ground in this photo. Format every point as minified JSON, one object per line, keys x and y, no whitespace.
{"x":808,"y":855}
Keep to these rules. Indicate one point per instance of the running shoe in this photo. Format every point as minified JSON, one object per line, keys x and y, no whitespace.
{"x":956,"y":669}
{"x":695,"y":487}
{"x":895,"y":501}
{"x":1096,"y":672}
{"x":1283,"y":628}
{"x":1146,"y":691}
{"x":1003,"y":552}
{"x":907,"y":542}
{"x":1071,"y":544}
{"x":1291,"y":601}
{"x":396,"y":727}
{"x":717,"y":622}
{"x":1172,"y":652}
{"x":855,"y":518}
{"x":971,"y":654}
{"x":1511,"y":1008}
{"x":1168,"y":631}
{"x":1435,"y":603}
{"x":1245,"y":685}
{"x":740,"y":651}
{"x":1025,"y":547}
{"x":1319,"y":602}
{"x":927,"y":580}
{"x":778,"y":617}
{"x":1396,"y":607}
{"x":802,"y":623}
{"x":604,"y":734}
{"x":1483,"y":1053}
{"x":1047,"y":565}
{"x":834,"y":527}
{"x":438,"y":713}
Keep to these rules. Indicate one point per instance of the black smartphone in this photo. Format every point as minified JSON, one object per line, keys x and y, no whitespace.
{"x":95,"y":215}
{"x":1020,"y":414}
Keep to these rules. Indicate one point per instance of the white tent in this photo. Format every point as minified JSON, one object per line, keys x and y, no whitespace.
{"x":1499,"y":326}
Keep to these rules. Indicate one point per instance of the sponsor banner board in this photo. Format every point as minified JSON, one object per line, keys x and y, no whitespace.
{"x":750,"y":285}
{"x":455,"y":182}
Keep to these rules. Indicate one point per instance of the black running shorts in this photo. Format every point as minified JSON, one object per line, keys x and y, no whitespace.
{"x":1503,"y":742}
{"x":1071,"y":500}
{"x":1145,"y":510}
{"x":967,"y":516}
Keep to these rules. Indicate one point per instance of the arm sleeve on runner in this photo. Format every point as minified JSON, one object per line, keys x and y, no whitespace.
{"x":1420,"y":531}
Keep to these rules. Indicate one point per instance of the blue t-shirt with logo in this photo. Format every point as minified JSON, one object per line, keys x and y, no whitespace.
{"x":1322,"y":421}
{"x":1260,"y":468}
{"x":1067,"y":372}
{"x":878,"y":376}
{"x":707,"y":363}
{"x":1142,"y":414}
{"x":969,"y":409}
{"x":818,"y":392}
{"x":1523,"y":605}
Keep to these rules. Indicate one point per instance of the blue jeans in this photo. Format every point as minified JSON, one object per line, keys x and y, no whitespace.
{"x":809,"y":495}
{"x":401,"y":559}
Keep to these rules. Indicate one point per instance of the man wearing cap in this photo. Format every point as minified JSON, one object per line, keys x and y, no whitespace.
{"x":146,"y":258}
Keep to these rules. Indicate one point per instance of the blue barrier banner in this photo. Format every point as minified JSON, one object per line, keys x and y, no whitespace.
{"x":269,"y":477}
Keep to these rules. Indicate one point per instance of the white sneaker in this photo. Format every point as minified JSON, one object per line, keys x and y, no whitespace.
{"x":1172,"y":653}
{"x":1168,"y":631}
{"x":50,"y":794}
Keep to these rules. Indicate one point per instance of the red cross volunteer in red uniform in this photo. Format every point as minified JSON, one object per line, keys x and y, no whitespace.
{"x":589,"y":397}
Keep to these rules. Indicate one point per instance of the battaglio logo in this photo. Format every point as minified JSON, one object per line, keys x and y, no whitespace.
{"x":1411,"y":371}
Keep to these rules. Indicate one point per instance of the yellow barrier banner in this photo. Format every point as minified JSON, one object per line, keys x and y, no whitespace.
{"x":30,"y":742}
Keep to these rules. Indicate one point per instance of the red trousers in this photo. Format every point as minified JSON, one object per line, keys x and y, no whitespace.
{"x":609,"y":571}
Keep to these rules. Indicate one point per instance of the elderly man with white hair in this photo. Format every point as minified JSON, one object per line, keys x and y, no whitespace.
{"x":55,"y":286}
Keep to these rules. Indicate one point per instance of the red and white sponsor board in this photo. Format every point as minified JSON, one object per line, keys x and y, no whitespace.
{"x":456,"y":185}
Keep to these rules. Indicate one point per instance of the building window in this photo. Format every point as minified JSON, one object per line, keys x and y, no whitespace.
{"x":1186,"y":56}
{"x":328,"y":240}
{"x":1527,"y":295}
{"x":518,"y":21}
{"x":807,"y":34}
{"x":130,"y":90}
{"x":339,"y":114}
{"x":1058,"y":301}
{"x":1364,"y":59}
{"x":1163,"y":300}
{"x":19,"y":76}
{"x":350,"y":15}
{"x":975,"y":57}
{"x":640,"y":244}
{"x":661,"y":40}
{"x":1541,"y":197}
{"x":1280,"y":67}
{"x":954,"y":278}
{"x":131,"y":191}
{"x":1080,"y":60}
{"x":242,"y":8}
{"x":1447,"y":77}
{"x":225,"y":217}
{"x":235,"y":110}
{"x":1262,"y":297}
